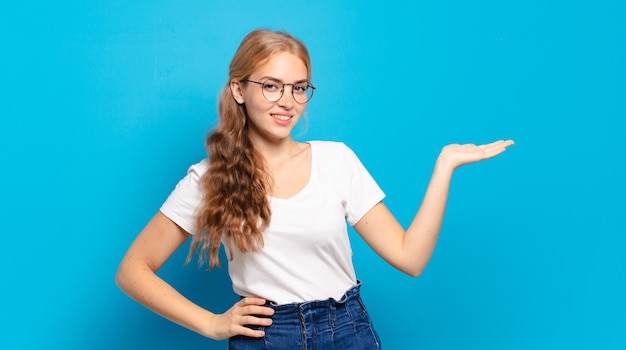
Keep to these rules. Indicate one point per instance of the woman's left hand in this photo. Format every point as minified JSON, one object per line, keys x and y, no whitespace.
{"x":454,"y":156}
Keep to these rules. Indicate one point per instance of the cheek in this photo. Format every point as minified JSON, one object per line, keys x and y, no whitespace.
{"x":254,"y":107}
{"x":255,"y":110}
{"x":254,"y":99}
{"x":301,"y":110}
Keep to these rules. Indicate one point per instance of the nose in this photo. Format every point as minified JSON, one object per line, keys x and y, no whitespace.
{"x":286,"y":99}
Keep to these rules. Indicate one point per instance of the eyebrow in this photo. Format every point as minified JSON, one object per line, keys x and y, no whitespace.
{"x":267,"y":77}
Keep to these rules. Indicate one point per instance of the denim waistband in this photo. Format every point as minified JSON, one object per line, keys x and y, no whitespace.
{"x":350,"y":294}
{"x":317,"y":324}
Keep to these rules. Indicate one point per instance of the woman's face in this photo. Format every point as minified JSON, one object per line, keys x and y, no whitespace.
{"x":272,"y":121}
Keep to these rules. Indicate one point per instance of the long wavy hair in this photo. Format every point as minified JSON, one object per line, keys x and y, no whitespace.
{"x":235,"y":206}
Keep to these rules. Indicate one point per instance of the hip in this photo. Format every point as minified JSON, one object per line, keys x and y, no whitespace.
{"x":321,"y":324}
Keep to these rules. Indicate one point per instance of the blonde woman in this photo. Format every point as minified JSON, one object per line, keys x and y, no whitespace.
{"x":281,"y":209}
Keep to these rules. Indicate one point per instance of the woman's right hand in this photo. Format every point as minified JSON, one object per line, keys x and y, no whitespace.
{"x":246,"y":312}
{"x":137,"y":277}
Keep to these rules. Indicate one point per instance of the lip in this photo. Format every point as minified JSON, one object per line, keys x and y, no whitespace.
{"x":282,"y":118}
{"x":281,"y":115}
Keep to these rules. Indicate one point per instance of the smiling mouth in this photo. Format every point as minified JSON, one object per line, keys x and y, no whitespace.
{"x":281,"y":117}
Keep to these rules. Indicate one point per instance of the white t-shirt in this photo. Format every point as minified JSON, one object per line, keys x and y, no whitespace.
{"x":306,"y":253}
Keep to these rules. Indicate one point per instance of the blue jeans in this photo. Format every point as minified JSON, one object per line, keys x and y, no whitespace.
{"x":320,"y":325}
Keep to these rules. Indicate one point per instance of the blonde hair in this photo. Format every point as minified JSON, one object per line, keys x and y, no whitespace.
{"x":235,"y":206}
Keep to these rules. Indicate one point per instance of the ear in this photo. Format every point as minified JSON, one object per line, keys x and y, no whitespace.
{"x":235,"y":90}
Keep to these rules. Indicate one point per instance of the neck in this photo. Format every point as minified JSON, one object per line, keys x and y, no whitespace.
{"x":274,"y":149}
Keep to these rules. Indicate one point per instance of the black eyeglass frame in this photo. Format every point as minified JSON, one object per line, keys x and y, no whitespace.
{"x":282,"y":90}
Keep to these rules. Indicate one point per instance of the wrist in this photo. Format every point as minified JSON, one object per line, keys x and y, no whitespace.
{"x":444,"y":166}
{"x":207,"y":325}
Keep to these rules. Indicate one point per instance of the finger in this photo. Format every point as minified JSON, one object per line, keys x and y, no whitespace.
{"x":492,"y":144}
{"x":501,"y":143}
{"x":254,"y":306}
{"x":493,"y":149}
{"x":256,"y":310}
{"x":251,"y":301}
{"x":255,"y":321}
{"x":249,"y":332}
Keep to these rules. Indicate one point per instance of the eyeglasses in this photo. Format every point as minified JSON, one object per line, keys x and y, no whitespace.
{"x":273,"y":90}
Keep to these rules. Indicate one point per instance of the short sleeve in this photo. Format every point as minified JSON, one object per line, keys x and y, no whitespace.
{"x":363,"y":193}
{"x":181,"y":205}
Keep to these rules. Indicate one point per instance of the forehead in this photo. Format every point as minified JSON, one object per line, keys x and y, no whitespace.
{"x":284,"y":66}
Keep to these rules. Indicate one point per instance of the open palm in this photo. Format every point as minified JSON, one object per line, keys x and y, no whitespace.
{"x":456,"y":155}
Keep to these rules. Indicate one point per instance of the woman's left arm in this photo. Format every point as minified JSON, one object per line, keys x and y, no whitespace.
{"x":409,"y":251}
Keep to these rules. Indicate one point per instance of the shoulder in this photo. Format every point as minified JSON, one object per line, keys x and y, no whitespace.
{"x":199,"y":168}
{"x":195,"y":172}
{"x":335,"y":148}
{"x":336,"y":155}
{"x":202,"y":165}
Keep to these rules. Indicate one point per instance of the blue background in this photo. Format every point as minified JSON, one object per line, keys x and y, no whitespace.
{"x":105,"y":104}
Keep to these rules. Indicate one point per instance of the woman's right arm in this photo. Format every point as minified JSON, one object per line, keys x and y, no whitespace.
{"x":136,"y":276}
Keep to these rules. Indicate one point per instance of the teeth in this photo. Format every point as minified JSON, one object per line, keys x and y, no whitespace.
{"x":281,"y":117}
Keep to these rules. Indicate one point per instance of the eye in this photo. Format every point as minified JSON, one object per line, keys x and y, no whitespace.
{"x":272,"y":86}
{"x":300,"y":88}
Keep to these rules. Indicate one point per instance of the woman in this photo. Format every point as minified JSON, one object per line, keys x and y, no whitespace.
{"x":280,"y":208}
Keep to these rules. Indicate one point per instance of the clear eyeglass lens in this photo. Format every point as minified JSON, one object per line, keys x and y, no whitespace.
{"x":273,"y":91}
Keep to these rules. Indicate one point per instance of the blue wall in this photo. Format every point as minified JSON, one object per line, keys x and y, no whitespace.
{"x":104,"y":104}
